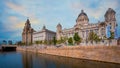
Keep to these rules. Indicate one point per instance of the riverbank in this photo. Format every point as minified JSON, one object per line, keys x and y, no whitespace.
{"x":98,"y":53}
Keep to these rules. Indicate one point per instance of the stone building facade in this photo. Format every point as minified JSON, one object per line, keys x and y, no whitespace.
{"x":27,"y":33}
{"x":83,"y":27}
{"x":43,"y":35}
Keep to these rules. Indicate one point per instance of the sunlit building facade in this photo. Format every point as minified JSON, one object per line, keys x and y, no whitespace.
{"x":29,"y":35}
{"x":43,"y":35}
{"x":83,"y":27}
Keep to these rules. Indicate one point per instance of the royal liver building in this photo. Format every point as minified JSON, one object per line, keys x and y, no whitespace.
{"x":83,"y":26}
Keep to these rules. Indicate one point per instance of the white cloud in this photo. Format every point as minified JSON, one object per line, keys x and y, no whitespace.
{"x":38,"y":13}
{"x":94,"y":8}
{"x":15,"y":22}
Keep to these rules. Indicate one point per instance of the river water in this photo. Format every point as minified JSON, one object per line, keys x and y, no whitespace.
{"x":35,"y":60}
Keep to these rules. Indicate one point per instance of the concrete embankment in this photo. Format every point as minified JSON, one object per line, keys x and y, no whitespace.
{"x":98,"y":53}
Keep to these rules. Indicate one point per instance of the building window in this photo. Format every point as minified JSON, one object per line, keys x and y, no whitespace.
{"x":91,"y":30}
{"x":96,"y":31}
{"x":86,"y":33}
{"x":102,"y":31}
{"x":110,"y":23}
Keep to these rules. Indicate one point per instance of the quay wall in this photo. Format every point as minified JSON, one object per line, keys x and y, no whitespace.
{"x":98,"y":53}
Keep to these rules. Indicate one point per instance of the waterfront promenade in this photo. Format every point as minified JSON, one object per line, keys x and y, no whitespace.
{"x":98,"y":53}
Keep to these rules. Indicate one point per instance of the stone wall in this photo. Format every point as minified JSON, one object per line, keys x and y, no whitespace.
{"x":98,"y":53}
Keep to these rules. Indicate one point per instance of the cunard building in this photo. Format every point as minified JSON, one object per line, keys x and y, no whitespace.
{"x":83,"y":27}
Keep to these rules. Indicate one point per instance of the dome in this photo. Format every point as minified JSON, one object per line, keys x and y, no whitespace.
{"x":82,"y":13}
{"x":59,"y":25}
{"x":110,"y":15}
{"x":109,"y":11}
{"x":82,"y":18}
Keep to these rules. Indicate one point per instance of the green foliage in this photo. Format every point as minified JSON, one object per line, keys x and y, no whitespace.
{"x":37,"y":42}
{"x":112,"y":35}
{"x":30,"y":43}
{"x":54,"y":40}
{"x":23,"y":43}
{"x":58,"y":41}
{"x":70,"y":41}
{"x":77,"y":38}
{"x":96,"y":38}
{"x":93,"y":37}
{"x":62,"y":40}
{"x":104,"y":37}
{"x":40,"y":42}
{"x":19,"y":43}
{"x":45,"y":42}
{"x":50,"y":42}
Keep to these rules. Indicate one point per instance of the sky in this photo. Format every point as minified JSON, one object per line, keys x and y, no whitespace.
{"x":14,"y":13}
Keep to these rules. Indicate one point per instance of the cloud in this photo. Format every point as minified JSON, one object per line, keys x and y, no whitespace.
{"x":95,"y":8}
{"x":42,"y":12}
{"x":17,"y":22}
{"x":19,"y":9}
{"x":12,"y":19}
{"x":15,"y":7}
{"x":16,"y":26}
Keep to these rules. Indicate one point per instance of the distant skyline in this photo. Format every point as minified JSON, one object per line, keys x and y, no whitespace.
{"x":14,"y":13}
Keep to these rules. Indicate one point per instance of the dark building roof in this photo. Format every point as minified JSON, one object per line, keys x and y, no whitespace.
{"x":82,"y":13}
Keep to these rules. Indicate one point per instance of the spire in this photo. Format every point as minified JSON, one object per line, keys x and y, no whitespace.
{"x":59,"y":25}
{"x":109,"y":11}
{"x":82,"y":11}
{"x":110,"y":15}
{"x":44,"y":27}
{"x":28,"y":22}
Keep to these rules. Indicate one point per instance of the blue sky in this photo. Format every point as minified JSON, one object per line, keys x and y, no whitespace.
{"x":13,"y":14}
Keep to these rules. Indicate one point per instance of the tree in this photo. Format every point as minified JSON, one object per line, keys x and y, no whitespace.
{"x":19,"y":43}
{"x":23,"y":43}
{"x":50,"y":42}
{"x":58,"y":41}
{"x":61,"y":40}
{"x":96,"y":38}
{"x":70,"y":41}
{"x":40,"y":42}
{"x":45,"y":42}
{"x":37,"y":42}
{"x":77,"y":38}
{"x":93,"y":37}
{"x":65,"y":39}
{"x":54,"y":40}
{"x":112,"y":35}
{"x":30,"y":43}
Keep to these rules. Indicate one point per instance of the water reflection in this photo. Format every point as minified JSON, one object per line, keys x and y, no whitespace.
{"x":11,"y":60}
{"x":34,"y":60}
